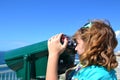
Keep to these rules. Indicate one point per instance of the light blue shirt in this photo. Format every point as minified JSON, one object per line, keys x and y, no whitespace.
{"x":94,"y":73}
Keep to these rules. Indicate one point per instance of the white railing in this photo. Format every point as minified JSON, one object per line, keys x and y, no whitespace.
{"x":7,"y":74}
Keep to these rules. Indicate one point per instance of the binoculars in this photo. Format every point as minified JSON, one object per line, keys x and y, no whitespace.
{"x":30,"y":62}
{"x":71,"y":44}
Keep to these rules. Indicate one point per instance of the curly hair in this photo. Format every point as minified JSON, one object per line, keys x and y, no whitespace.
{"x":100,"y":42}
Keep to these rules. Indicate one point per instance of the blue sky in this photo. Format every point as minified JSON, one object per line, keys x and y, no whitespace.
{"x":25,"y":22}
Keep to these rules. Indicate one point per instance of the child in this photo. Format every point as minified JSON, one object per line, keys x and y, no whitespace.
{"x":96,"y":42}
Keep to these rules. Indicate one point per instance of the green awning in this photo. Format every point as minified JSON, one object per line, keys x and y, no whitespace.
{"x":27,"y":50}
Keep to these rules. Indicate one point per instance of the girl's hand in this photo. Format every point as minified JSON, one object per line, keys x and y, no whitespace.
{"x":55,"y":47}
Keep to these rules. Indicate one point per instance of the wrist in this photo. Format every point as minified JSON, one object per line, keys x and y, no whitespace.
{"x":51,"y":55}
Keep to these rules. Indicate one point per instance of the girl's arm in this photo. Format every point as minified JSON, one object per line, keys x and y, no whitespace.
{"x":55,"y":48}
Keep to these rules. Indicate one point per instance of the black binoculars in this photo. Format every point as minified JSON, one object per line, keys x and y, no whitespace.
{"x":71,"y":44}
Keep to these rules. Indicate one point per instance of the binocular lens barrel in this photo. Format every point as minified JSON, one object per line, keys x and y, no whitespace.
{"x":71,"y":43}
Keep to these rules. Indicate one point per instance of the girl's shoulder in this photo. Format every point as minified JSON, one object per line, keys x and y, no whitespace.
{"x":94,"y":72}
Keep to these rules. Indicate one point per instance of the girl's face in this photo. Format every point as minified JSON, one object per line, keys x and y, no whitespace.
{"x":80,"y":46}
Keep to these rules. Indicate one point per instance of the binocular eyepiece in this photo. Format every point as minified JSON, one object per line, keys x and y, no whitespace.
{"x":71,"y":44}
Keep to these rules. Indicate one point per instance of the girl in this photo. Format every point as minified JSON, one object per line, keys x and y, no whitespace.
{"x":96,"y":42}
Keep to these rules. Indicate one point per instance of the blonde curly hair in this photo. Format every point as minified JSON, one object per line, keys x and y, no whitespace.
{"x":100,"y":42}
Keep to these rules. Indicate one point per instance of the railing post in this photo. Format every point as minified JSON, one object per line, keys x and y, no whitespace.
{"x":7,"y":74}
